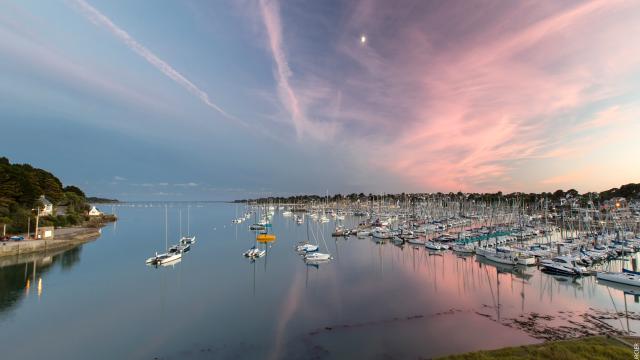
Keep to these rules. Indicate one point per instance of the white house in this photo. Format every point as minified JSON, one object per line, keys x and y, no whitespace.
{"x":47,"y":208}
{"x":94,"y":211}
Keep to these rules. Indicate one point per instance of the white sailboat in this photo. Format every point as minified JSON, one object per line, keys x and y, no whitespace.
{"x":187,"y":240}
{"x":171,"y":255}
{"x":626,"y":277}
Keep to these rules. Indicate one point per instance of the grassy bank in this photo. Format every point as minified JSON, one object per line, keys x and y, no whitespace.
{"x":595,"y":348}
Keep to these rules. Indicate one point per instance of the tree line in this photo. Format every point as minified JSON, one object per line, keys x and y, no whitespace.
{"x":628,"y":191}
{"x":21,"y":186}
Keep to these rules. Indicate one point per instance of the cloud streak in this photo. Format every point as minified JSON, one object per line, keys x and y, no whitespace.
{"x":100,"y":19}
{"x":295,"y":102}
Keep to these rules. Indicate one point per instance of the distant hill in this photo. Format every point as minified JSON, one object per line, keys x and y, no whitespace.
{"x":21,"y":186}
{"x":99,"y":200}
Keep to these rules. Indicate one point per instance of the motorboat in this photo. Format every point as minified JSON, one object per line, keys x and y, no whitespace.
{"x":562,"y":265}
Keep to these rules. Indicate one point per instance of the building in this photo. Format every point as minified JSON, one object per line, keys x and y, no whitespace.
{"x":45,"y":233}
{"x":47,"y":206}
{"x":94,"y":211}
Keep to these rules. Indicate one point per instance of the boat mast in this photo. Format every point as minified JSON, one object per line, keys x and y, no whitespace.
{"x":166,"y":229}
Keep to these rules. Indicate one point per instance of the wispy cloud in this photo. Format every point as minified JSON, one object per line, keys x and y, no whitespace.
{"x":295,"y":102}
{"x":101,"y":20}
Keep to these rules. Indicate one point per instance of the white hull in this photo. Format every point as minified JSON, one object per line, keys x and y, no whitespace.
{"x":317,"y":256}
{"x":500,"y":259}
{"x":621,"y":278}
{"x":434,"y":246}
{"x":170,"y":258}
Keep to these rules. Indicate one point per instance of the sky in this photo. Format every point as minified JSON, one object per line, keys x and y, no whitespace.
{"x":220,"y":100}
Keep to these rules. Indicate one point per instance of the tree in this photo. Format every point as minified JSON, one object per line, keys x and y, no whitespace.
{"x":74,"y":189}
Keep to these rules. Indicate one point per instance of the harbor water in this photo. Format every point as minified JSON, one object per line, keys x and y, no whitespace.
{"x":100,"y":300}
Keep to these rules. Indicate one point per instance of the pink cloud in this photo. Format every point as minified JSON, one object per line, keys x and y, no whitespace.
{"x":464,"y":115}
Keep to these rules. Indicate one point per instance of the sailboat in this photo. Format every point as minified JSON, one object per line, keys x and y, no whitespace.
{"x":626,"y":277}
{"x":171,"y":255}
{"x":187,"y":240}
{"x":311,"y":257}
{"x":307,"y":247}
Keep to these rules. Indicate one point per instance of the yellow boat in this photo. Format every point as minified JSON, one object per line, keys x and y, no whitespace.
{"x":265,"y":237}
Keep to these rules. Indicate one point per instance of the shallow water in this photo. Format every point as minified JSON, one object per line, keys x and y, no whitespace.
{"x":101,"y":301}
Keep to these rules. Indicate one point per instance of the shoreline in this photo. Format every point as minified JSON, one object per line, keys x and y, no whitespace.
{"x":71,"y":237}
{"x":595,"y":347}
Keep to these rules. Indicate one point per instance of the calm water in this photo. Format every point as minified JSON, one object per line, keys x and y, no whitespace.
{"x":372,"y":301}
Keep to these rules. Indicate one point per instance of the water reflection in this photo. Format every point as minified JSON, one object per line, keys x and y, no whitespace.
{"x":19,"y":274}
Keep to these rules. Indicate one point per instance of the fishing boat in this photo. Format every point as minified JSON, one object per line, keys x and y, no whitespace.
{"x":626,"y":277}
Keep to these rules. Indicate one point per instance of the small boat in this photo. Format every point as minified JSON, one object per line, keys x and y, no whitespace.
{"x":435,"y":245}
{"x":416,"y":242}
{"x":307,"y":248}
{"x":169,"y":257}
{"x":182,"y":248}
{"x":626,"y":277}
{"x":256,"y":227}
{"x":464,"y":248}
{"x":317,"y":256}
{"x":254,"y":252}
{"x":188,"y":240}
{"x":339,"y":231}
{"x":265,"y":237}
{"x":562,"y":265}
{"x":381,"y":233}
{"x":363,"y":233}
